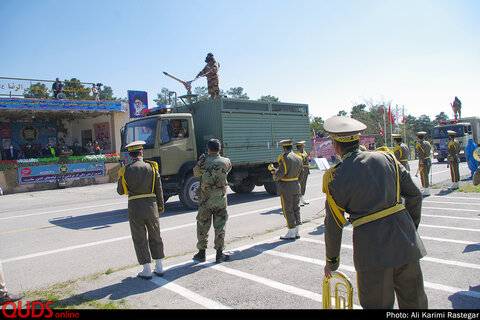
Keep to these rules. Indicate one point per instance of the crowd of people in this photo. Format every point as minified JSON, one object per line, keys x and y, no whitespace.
{"x":28,"y":151}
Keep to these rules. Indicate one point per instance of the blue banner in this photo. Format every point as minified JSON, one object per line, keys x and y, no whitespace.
{"x":61,"y":105}
{"x":51,"y":173}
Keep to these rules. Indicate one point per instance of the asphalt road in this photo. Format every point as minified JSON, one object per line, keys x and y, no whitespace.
{"x":54,"y":236}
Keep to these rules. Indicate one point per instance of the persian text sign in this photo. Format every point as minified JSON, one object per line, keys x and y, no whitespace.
{"x":51,"y":173}
{"x":61,"y":105}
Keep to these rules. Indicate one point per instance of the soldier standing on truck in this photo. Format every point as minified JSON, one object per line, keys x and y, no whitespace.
{"x":140,"y":180}
{"x":401,"y":150}
{"x":453,"y":159}
{"x":306,"y":169}
{"x":290,"y":167}
{"x":457,"y":108}
{"x":212,"y":169}
{"x":423,"y":149}
{"x":211,"y":72}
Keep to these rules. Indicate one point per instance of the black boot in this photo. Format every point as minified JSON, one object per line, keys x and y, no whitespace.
{"x":221,"y":257}
{"x":200,"y":256}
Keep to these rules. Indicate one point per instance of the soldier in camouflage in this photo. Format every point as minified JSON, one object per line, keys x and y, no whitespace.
{"x":212,"y":169}
{"x":211,"y":72}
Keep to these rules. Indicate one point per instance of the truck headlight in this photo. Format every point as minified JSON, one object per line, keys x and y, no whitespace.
{"x":435,"y":153}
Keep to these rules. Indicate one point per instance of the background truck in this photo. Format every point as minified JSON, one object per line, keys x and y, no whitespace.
{"x":466,"y":128}
{"x":250,"y":132}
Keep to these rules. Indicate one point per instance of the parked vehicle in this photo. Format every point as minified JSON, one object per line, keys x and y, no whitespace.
{"x":465,"y":128}
{"x":250,"y":132}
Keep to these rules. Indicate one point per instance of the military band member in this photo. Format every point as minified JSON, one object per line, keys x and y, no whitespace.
{"x":401,"y":150}
{"x":212,"y":169}
{"x":290,"y":167}
{"x":386,"y":245}
{"x":306,"y":169}
{"x":453,"y":159}
{"x":211,"y":72}
{"x":140,"y":180}
{"x":423,"y":149}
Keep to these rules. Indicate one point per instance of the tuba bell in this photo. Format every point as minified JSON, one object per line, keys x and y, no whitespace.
{"x":343,"y":292}
{"x":476,"y":154}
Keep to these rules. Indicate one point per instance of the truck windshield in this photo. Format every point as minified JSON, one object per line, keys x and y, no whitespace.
{"x":144,"y":130}
{"x":441,"y":132}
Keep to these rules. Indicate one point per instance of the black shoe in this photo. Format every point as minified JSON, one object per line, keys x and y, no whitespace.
{"x":8,"y":297}
{"x":221,"y":257}
{"x":200,"y":256}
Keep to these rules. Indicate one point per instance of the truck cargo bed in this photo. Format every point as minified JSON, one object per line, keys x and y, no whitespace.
{"x":249,"y":130}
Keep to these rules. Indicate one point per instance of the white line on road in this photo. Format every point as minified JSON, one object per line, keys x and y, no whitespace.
{"x":426,"y":258}
{"x":450,"y":217}
{"x":63,"y":210}
{"x":192,"y":296}
{"x":95,"y":243}
{"x":430,"y":285}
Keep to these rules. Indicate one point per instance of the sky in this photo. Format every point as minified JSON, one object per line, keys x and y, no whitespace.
{"x":331,"y":55}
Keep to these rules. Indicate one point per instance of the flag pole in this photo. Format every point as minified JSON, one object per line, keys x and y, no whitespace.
{"x":384,"y":125}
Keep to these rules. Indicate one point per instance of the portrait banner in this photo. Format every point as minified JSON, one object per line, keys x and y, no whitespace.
{"x":138,"y":103}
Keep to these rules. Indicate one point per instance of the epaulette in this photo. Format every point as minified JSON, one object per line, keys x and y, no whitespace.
{"x":153,"y":163}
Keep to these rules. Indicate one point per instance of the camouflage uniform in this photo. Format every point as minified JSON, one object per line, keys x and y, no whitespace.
{"x":211,"y":72}
{"x":212,"y":199}
{"x":423,"y":149}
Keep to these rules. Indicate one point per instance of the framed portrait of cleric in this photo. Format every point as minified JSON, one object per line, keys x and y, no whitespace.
{"x":138,"y":103}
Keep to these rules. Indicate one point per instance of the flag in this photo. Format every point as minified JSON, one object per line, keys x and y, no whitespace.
{"x":403,"y":115}
{"x":390,"y":115}
{"x":381,"y":129}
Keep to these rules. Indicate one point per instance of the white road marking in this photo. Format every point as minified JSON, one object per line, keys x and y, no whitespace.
{"x":190,"y":295}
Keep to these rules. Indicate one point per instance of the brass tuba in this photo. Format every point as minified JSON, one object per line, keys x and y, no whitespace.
{"x":476,"y":154}
{"x":343,"y":292}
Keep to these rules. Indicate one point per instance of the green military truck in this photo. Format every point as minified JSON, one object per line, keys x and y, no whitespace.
{"x":250,"y":132}
{"x":466,"y":128}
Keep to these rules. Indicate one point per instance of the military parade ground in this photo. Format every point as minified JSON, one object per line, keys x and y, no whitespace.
{"x":73,"y":247}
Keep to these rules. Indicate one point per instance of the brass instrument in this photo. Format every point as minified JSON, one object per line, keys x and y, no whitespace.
{"x":272,"y":168}
{"x":343,"y":292}
{"x":476,"y":154}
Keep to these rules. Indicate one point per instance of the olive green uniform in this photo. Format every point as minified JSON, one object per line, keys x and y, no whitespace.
{"x":386,"y":250}
{"x":212,"y":199}
{"x":423,"y":149}
{"x":453,"y":159}
{"x":290,"y":167}
{"x":401,"y":153}
{"x":141,"y":181}
{"x":305,"y":171}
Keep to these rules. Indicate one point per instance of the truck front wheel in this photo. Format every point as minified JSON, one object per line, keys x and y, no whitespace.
{"x":271,"y":188}
{"x":189,"y":193}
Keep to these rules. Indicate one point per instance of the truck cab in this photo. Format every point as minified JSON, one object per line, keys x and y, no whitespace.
{"x":441,"y":139}
{"x":170,"y":141}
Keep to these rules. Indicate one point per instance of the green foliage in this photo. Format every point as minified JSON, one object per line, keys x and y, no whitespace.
{"x":37,"y":91}
{"x":237,"y":93}
{"x":269,"y":98}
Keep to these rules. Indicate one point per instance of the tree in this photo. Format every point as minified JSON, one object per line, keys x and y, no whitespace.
{"x":74,"y":90}
{"x":316,"y":125}
{"x":106,"y":94}
{"x":269,"y":98}
{"x":237,"y":93}
{"x":342,"y":113}
{"x":37,"y":91}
